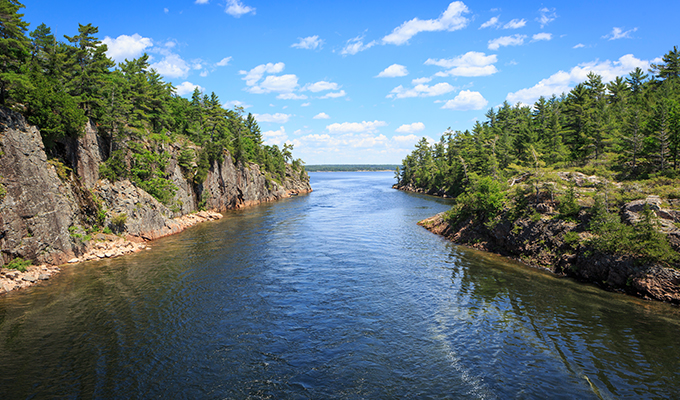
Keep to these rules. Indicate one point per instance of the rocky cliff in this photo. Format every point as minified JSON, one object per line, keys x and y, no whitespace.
{"x":50,"y":209}
{"x":544,"y":243}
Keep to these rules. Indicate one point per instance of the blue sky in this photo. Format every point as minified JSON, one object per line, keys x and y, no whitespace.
{"x":363,"y":81}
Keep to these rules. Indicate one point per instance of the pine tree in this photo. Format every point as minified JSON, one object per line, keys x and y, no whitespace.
{"x":14,"y":49}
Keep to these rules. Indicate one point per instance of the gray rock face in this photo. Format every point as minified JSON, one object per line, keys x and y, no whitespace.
{"x":38,"y":207}
{"x":42,"y":218}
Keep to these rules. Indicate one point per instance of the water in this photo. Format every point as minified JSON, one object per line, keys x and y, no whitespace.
{"x":336,"y":294}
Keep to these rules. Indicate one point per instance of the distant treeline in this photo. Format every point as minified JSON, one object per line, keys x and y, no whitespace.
{"x":350,"y":167}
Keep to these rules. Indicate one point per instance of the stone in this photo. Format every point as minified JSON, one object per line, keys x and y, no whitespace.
{"x":43,"y":277}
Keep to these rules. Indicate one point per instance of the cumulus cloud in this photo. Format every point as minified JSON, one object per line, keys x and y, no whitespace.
{"x":305,"y":104}
{"x":514,"y":40}
{"x":420,"y":90}
{"x":255,"y":74}
{"x":418,"y":81}
{"x":322,"y":115}
{"x":275,"y":83}
{"x":411,"y":128}
{"x":186,"y":88}
{"x":618,"y":33}
{"x":277,"y":137}
{"x":356,"y":127}
{"x":490,"y":23}
{"x":472,"y":63}
{"x":405,"y":138}
{"x":172,"y":66}
{"x":334,"y":95}
{"x":561,"y":81}
{"x":278,"y":118}
{"x":541,"y":36}
{"x":515,"y":24}
{"x":355,"y":45}
{"x":125,"y":46}
{"x":320,"y":86}
{"x":291,"y":96}
{"x":309,"y":43}
{"x":201,"y":1}
{"x":235,"y":8}
{"x":224,"y":62}
{"x":451,"y":20}
{"x":466,"y":100}
{"x":393,"y":71}
{"x":546,"y":16}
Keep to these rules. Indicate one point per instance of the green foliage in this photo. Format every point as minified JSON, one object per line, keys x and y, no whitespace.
{"x":63,"y":171}
{"x":568,"y":206}
{"x":19,"y":264}
{"x":118,"y":221}
{"x":483,"y":200}
{"x":572,"y":239}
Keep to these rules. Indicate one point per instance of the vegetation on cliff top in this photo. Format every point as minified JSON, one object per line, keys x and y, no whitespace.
{"x":60,"y":85}
{"x":627,"y":131}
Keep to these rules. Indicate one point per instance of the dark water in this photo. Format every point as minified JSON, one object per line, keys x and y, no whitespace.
{"x":337,"y":294}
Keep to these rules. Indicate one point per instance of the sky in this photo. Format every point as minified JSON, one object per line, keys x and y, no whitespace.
{"x":360,"y":82}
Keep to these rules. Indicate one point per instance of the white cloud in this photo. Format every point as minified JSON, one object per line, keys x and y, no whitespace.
{"x":393,"y":71}
{"x":334,"y":95}
{"x":515,"y":24}
{"x":166,"y":10}
{"x":356,"y":127}
{"x":305,"y":104}
{"x":322,"y":115}
{"x":418,"y":81}
{"x":466,"y":100}
{"x":309,"y":43}
{"x":235,"y":8}
{"x":490,"y":23}
{"x":411,"y":128}
{"x":255,"y":74}
{"x":125,"y":46}
{"x":201,"y":1}
{"x":278,"y":118}
{"x":421,"y":90}
{"x":186,"y":88}
{"x":203,"y":74}
{"x":451,"y":20}
{"x":273,"y":83}
{"x":561,"y":81}
{"x":618,"y":33}
{"x":405,"y":138}
{"x":514,"y":40}
{"x":472,"y":63}
{"x":224,"y":62}
{"x":172,"y":66}
{"x":546,"y":16}
{"x":320,"y":86}
{"x":541,"y":36}
{"x":356,"y":45}
{"x":275,"y":137}
{"x":578,"y":46}
{"x":291,"y":96}
{"x":235,"y":103}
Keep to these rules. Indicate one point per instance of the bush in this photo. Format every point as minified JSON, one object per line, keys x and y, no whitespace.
{"x":119,"y":221}
{"x":19,"y":264}
{"x":484,"y":200}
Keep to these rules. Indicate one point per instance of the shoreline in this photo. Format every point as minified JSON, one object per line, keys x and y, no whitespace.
{"x":100,"y":247}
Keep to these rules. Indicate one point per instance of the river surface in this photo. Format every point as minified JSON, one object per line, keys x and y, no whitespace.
{"x":335,"y":294}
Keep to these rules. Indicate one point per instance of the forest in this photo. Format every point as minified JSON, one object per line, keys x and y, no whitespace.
{"x":60,"y":85}
{"x":625,"y":133}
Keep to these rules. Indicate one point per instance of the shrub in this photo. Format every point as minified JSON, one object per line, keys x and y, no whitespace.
{"x":19,"y":264}
{"x":484,"y":199}
{"x":568,"y":205}
{"x":119,"y":221}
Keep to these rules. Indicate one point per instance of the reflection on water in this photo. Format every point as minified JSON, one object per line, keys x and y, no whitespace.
{"x":337,"y":294}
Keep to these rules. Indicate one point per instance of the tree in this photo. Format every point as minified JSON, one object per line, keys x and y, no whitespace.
{"x":14,"y":49}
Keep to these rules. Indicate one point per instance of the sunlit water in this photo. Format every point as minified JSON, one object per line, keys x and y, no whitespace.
{"x":336,"y":294}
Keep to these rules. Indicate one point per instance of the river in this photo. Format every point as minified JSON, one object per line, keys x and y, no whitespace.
{"x":335,"y":294}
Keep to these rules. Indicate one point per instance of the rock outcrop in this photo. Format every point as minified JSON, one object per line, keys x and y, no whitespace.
{"x":48,"y":209}
{"x":543,"y":243}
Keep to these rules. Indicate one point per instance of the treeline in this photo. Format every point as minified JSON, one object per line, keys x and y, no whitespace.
{"x":60,"y":85}
{"x":350,"y":167}
{"x":629,"y":127}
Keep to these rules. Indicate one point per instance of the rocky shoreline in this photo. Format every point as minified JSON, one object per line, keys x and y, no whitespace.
{"x":102,"y":246}
{"x":541,"y":244}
